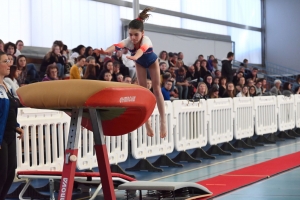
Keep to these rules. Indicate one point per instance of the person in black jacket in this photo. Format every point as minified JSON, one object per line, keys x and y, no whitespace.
{"x":227,"y":67}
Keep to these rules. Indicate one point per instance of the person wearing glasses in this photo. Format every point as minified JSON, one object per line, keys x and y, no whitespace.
{"x":8,"y":129}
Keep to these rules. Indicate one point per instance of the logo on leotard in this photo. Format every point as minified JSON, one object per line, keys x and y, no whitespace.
{"x":127,"y":99}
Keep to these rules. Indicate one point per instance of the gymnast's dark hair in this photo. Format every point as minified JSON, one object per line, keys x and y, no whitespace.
{"x":138,"y":23}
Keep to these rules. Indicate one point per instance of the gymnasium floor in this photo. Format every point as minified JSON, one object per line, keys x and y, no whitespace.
{"x":283,"y":186}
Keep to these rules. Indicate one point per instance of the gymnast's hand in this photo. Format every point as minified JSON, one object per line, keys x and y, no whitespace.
{"x":132,"y":57}
{"x":100,"y":51}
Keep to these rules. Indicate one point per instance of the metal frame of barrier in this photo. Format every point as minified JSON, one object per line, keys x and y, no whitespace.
{"x":143,"y":146}
{"x":297,"y":110}
{"x":286,"y":112}
{"x":243,"y":123}
{"x":45,"y":136}
{"x":220,"y":120}
{"x":265,"y":114}
{"x":191,"y":129}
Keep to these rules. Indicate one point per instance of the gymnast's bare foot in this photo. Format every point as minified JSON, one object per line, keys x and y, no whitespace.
{"x":163,"y":129}
{"x":149,"y":129}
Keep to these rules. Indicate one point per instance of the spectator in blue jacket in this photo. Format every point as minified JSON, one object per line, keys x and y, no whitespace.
{"x":166,"y":90}
{"x":8,"y":129}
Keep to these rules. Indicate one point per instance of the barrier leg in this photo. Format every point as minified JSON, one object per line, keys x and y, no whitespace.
{"x":241,"y":144}
{"x":251,"y":142}
{"x":183,"y":156}
{"x":285,"y":135}
{"x":200,"y":153}
{"x":102,"y":156}
{"x":274,"y":137}
{"x":117,"y":169}
{"x":226,"y":146}
{"x":293,"y":133}
{"x":144,"y":165}
{"x":165,"y":161}
{"x":68,"y":173}
{"x":263,"y":139}
{"x":215,"y":149}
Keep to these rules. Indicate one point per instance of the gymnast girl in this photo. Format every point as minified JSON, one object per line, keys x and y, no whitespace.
{"x":142,"y":53}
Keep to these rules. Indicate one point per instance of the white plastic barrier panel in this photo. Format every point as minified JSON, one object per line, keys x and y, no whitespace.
{"x":265,"y":114}
{"x":297,"y":110}
{"x":117,"y":149}
{"x":286,"y":112}
{"x":45,"y":134}
{"x":191,"y":124}
{"x":243,"y":123}
{"x":144,"y":146}
{"x":220,"y":120}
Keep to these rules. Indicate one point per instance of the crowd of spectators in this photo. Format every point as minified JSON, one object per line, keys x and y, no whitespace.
{"x":202,"y":80}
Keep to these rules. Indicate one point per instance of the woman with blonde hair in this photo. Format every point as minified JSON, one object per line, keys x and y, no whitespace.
{"x":201,"y":91}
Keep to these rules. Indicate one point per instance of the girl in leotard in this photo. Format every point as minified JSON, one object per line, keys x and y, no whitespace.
{"x":142,"y":53}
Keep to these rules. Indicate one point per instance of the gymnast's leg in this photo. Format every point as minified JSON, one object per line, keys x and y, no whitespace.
{"x":141,"y":74}
{"x":154,"y":71}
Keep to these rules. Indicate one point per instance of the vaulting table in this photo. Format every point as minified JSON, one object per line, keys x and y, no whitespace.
{"x":106,"y":108}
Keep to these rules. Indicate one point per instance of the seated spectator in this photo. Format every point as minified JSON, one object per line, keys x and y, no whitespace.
{"x":149,"y":84}
{"x":181,"y":83}
{"x":238,"y":88}
{"x":11,"y":60}
{"x":10,"y":49}
{"x":28,"y":72}
{"x":11,"y":80}
{"x":116,"y":70}
{"x":215,"y":67}
{"x":88,"y":52}
{"x":91,"y":60}
{"x":203,"y":69}
{"x":120,"y":77}
{"x":166,"y":90}
{"x":218,"y":74}
{"x":19,"y":45}
{"x":237,"y":77}
{"x":130,"y":64}
{"x":201,"y":92}
{"x":250,"y":82}
{"x":76,"y":70}
{"x":252,"y":75}
{"x":191,"y":73}
{"x":230,"y":91}
{"x":258,"y":87}
{"x":108,"y":67}
{"x":127,"y":79}
{"x":171,"y":70}
{"x":222,"y":86}
{"x":241,"y":81}
{"x":263,"y":85}
{"x":163,"y":67}
{"x":252,"y":91}
{"x":296,"y":84}
{"x":123,"y":69}
{"x":200,"y":57}
{"x":244,"y":92}
{"x":210,"y":66}
{"x":53,"y":57}
{"x":135,"y":81}
{"x":1,"y":45}
{"x":297,"y":90}
{"x":213,"y":92}
{"x":171,"y":55}
{"x":78,"y":51}
{"x":163,"y":57}
{"x":208,"y":80}
{"x":51,"y":73}
{"x":179,"y":64}
{"x":90,"y":72}
{"x":107,"y":76}
{"x":276,"y":89}
{"x":287,"y":89}
{"x":216,"y":81}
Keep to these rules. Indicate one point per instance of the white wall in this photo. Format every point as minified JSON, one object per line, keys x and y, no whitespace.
{"x":282,"y":33}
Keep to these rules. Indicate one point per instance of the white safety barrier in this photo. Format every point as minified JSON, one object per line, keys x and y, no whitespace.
{"x":144,"y":146}
{"x":265,"y":114}
{"x":286,"y":112}
{"x":297,"y":110}
{"x":45,"y":135}
{"x":117,"y":149}
{"x":191,"y":124}
{"x":220,"y":120}
{"x":243,"y":123}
